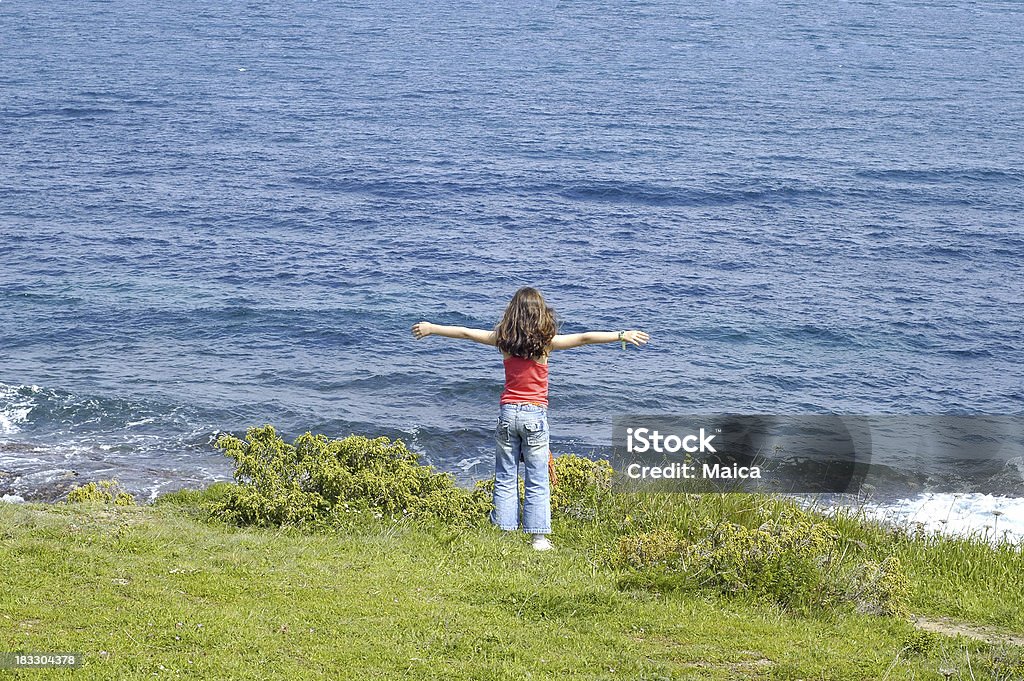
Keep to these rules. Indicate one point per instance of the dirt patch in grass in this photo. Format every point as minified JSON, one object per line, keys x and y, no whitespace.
{"x":977,"y":632}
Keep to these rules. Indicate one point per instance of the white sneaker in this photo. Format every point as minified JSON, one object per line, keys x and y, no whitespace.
{"x":541,"y":543}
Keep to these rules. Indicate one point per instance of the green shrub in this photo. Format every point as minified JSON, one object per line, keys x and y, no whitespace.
{"x":646,"y":549}
{"x":583,"y":484}
{"x":881,"y":588}
{"x":317,"y":481}
{"x":793,"y":558}
{"x":920,"y":642}
{"x":783,"y":559}
{"x":104,"y":491}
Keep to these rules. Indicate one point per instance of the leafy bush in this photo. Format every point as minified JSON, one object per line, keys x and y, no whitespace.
{"x":919,"y":642}
{"x":645,"y":549}
{"x":317,"y":481}
{"x":583,"y":484}
{"x":881,"y":588}
{"x":104,"y":491}
{"x":793,"y":559}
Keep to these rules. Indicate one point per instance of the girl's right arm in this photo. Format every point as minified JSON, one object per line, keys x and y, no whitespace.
{"x":575,"y":340}
{"x":424,"y":329}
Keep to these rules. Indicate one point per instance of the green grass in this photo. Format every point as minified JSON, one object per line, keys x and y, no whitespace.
{"x":963,"y":578}
{"x":160,"y":590}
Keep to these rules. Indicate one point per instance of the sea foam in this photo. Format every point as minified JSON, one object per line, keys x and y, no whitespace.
{"x":14,"y":407}
{"x":985,"y":516}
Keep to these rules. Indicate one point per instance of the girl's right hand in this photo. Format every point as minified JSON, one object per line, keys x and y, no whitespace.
{"x":421,"y":330}
{"x":637,"y":338}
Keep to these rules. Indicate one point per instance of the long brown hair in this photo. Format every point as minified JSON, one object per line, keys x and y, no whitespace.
{"x":528,"y":325}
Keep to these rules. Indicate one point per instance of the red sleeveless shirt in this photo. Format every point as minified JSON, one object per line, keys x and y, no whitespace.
{"x":526,"y":380}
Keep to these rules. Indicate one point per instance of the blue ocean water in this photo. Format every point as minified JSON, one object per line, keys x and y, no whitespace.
{"x":218,"y":216}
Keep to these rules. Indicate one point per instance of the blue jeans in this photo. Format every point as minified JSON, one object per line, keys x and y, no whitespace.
{"x":522,"y":431}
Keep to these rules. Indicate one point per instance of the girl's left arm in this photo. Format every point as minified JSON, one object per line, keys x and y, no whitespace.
{"x":424,"y":329}
{"x":575,"y":340}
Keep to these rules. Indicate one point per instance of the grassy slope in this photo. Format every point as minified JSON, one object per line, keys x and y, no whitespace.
{"x":155,"y":590}
{"x":951,"y":577}
{"x":963,"y":578}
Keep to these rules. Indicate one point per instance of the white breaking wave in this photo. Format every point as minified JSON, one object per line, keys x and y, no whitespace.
{"x":989,"y":517}
{"x":14,"y":407}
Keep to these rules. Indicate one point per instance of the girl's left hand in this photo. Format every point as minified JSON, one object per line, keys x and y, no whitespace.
{"x":637,"y":338}
{"x":421,"y":330}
